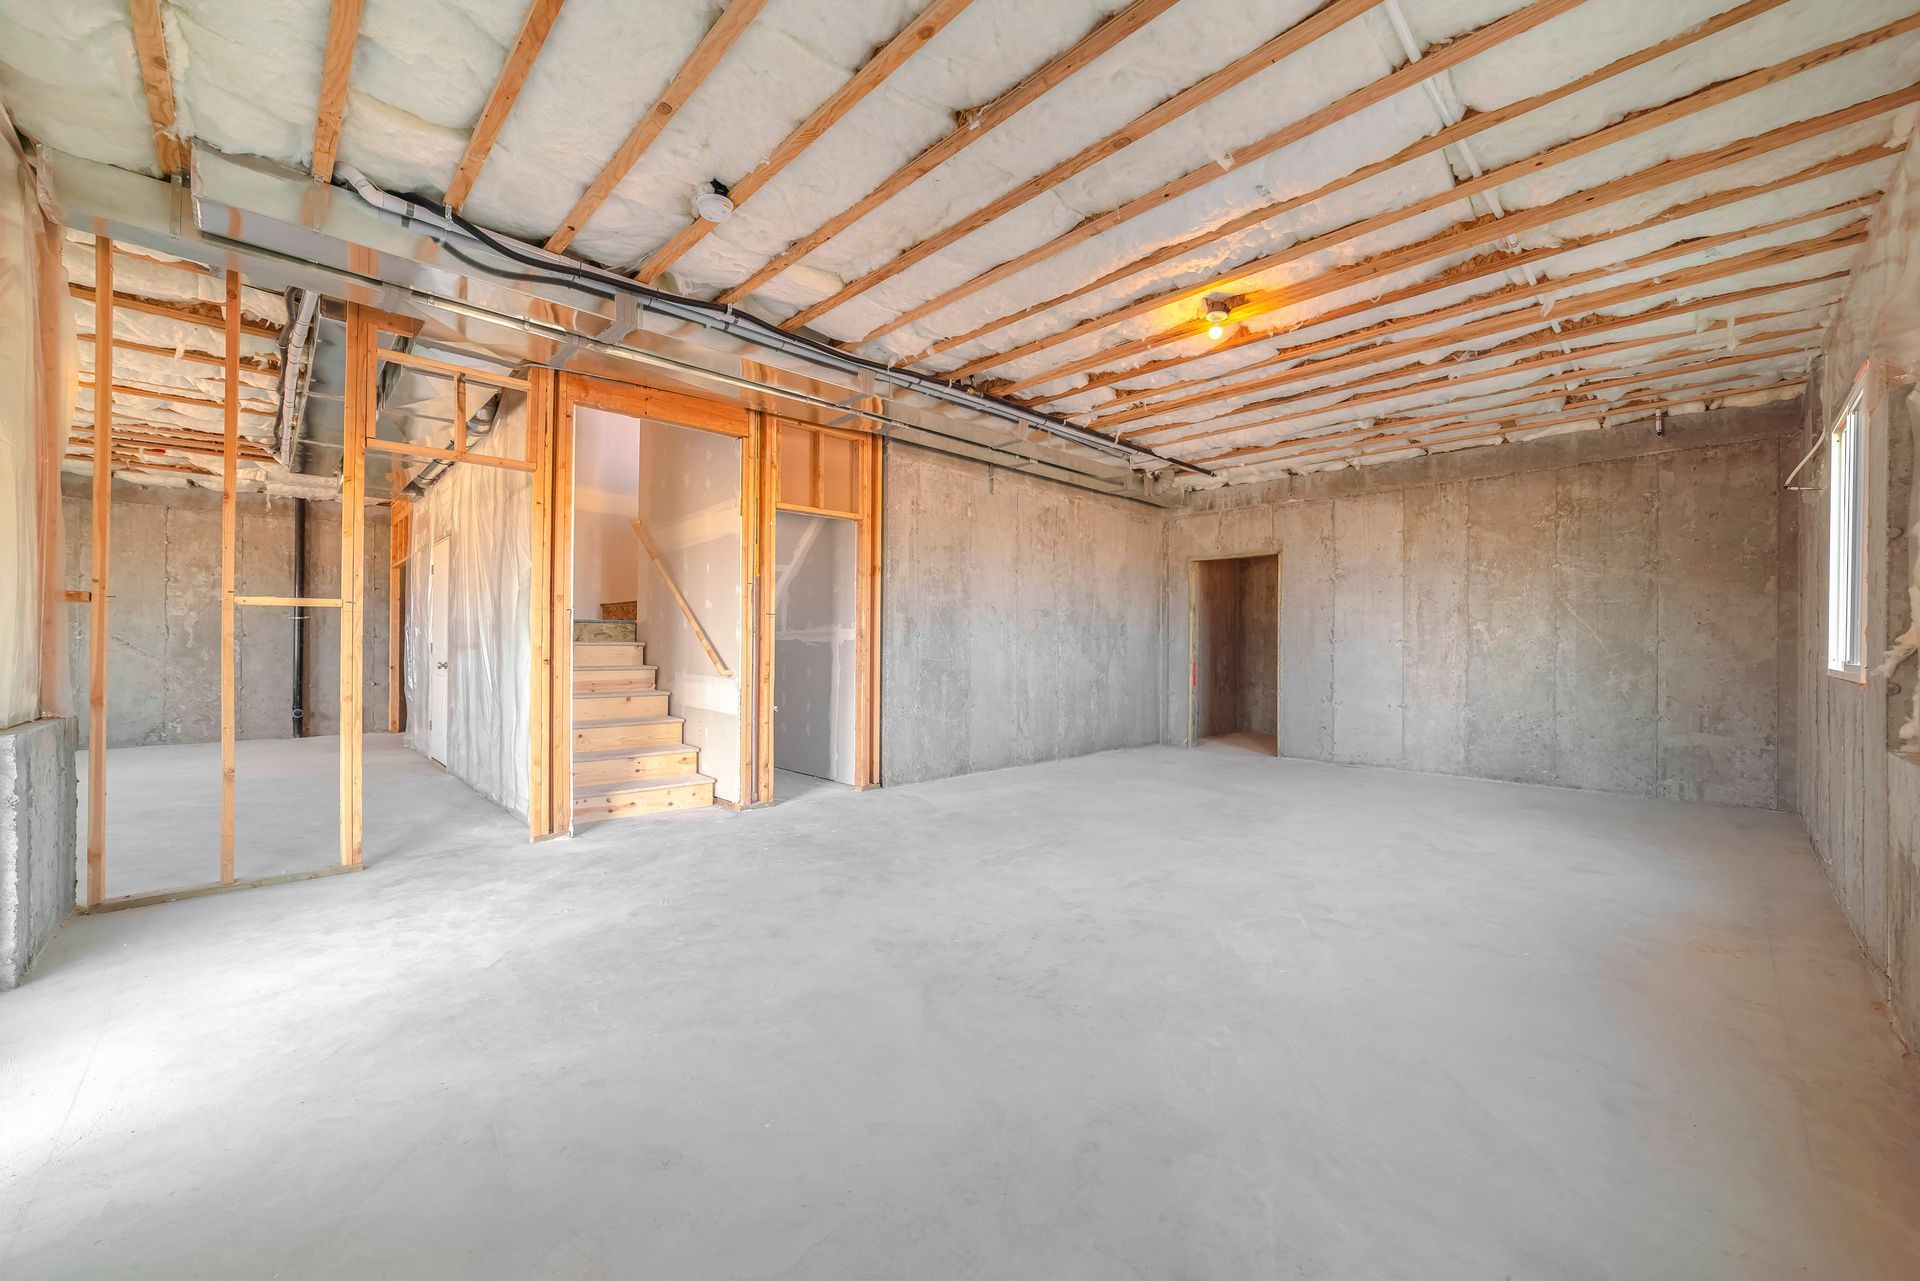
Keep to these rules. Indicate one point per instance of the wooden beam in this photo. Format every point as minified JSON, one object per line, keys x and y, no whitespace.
{"x":362,"y":374}
{"x":1328,"y":17}
{"x":1486,"y":327}
{"x":1553,"y":387}
{"x":206,"y":319}
{"x":258,"y":364}
{"x":295,"y":602}
{"x":534,"y":30}
{"x":1621,"y":130}
{"x":1147,"y":403}
{"x":97,"y":638}
{"x":156,"y":79}
{"x":1435,"y":62}
{"x":229,"y":553}
{"x":972,"y":126}
{"x":908,"y":41}
{"x":167,"y":396}
{"x":1463,"y":238}
{"x":699,"y":65}
{"x":139,"y":432}
{"x":336,"y":71}
{"x":1487,"y":266}
{"x":1447,"y":384}
{"x":680,"y":598}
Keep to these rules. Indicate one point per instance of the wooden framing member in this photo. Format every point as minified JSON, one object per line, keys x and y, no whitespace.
{"x":296,"y":602}
{"x":362,"y":375}
{"x":229,"y":534}
{"x":888,"y":59}
{"x":209,"y":318}
{"x":866,"y":732}
{"x":706,"y":55}
{"x":1330,"y":16}
{"x":1489,"y":266}
{"x":171,"y":397}
{"x":156,"y":80}
{"x":97,"y":600}
{"x":408,"y":449}
{"x":540,"y":627}
{"x":1474,"y":123}
{"x":1591,"y":323}
{"x":972,"y":126}
{"x":336,"y":71}
{"x":183,"y":440}
{"x":766,"y":490}
{"x":1433,"y":63}
{"x":534,"y":30}
{"x":1478,"y":232}
{"x":1447,"y":385}
{"x":1377,"y":335}
{"x":426,"y":364}
{"x":399,"y":534}
{"x":258,"y":364}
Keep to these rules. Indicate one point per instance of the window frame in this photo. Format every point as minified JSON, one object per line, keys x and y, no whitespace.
{"x":1847,"y":560}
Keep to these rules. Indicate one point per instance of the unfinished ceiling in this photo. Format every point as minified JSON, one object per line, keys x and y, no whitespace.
{"x":1435,"y":223}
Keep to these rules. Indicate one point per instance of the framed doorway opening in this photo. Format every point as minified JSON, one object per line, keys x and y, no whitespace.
{"x":1234,"y":648}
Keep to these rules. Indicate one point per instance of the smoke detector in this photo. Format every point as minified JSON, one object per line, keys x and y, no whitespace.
{"x":712,"y":202}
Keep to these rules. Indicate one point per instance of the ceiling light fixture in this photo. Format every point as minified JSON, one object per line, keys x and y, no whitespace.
{"x":1218,"y":308}
{"x":713,"y":203}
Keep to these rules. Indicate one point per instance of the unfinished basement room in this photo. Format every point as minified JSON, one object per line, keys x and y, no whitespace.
{"x":960,"y":640}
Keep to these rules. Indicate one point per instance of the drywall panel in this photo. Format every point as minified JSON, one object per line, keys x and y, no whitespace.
{"x":1369,"y":616}
{"x":1606,"y":602}
{"x":1021,"y":620}
{"x":816,"y":609}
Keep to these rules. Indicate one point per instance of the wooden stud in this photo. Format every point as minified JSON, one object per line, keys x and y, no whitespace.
{"x":1515,"y":221}
{"x":534,"y":30}
{"x":559,"y":414}
{"x":888,"y":59}
{"x":1481,"y":268}
{"x":399,"y":527}
{"x":336,"y":71}
{"x":699,"y":65}
{"x":767,"y":492}
{"x":540,"y":801}
{"x":394,"y":356}
{"x":229,"y":553}
{"x":1474,"y":123}
{"x":97,"y":638}
{"x":866,"y":730}
{"x":362,"y":373}
{"x":207,"y":317}
{"x":78,"y":597}
{"x":1330,"y":16}
{"x":411,"y":450}
{"x":1435,"y":62}
{"x":972,"y":126}
{"x":156,"y":80}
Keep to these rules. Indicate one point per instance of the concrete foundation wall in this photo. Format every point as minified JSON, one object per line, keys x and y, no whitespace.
{"x":38,"y":806}
{"x":163,"y":666}
{"x":1020,"y":619}
{"x":1609,"y":610}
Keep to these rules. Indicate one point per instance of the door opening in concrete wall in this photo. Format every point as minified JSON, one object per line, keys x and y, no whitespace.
{"x":816,"y":681}
{"x":1235,"y":678}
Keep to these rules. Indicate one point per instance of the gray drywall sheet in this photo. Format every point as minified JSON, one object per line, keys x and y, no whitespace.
{"x":815,"y":594}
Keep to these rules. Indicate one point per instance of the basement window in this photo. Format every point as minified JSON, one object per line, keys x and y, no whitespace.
{"x":1846,"y":540}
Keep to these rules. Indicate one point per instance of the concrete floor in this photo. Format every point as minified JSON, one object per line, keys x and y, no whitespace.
{"x":1147,"y":1014}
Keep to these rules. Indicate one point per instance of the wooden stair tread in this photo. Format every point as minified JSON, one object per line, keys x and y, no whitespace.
{"x":632,"y":720}
{"x":580,"y":694}
{"x":621,"y":753}
{"x":584,"y":791}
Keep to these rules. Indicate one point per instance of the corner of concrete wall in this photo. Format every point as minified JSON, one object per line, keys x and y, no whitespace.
{"x":38,"y":811}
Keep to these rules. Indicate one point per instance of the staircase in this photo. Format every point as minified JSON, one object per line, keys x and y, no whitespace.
{"x":629,"y":757}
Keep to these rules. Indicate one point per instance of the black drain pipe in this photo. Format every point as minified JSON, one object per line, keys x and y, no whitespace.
{"x":299,"y":618}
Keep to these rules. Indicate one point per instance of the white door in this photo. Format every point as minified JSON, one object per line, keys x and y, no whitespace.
{"x":439,"y":592}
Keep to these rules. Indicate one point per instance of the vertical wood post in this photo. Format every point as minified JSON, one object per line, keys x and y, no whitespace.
{"x":361,"y":373}
{"x":229,"y":532}
{"x":97,"y":606}
{"x":540,"y":800}
{"x":867,"y":631}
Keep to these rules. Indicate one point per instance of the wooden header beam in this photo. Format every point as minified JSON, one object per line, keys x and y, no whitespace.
{"x":908,"y":41}
{"x":699,"y":65}
{"x":534,"y":30}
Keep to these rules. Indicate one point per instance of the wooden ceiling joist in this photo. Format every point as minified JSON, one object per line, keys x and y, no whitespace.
{"x":706,"y":55}
{"x":256,"y":364}
{"x":1327,"y":18}
{"x":973,"y":126}
{"x":140,"y":431}
{"x":172,"y":396}
{"x":1474,"y":123}
{"x":1493,"y":265}
{"x":336,"y":71}
{"x":1482,"y":229}
{"x":1463,"y":238}
{"x":1505,"y":322}
{"x":1146,"y":403}
{"x":1554,"y":387}
{"x":1296,"y":407}
{"x":1434,"y":63}
{"x":156,"y":80}
{"x":173,"y":311}
{"x":888,"y":59}
{"x":534,"y":29}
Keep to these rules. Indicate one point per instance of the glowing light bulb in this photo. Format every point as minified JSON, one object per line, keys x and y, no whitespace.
{"x":1215,"y":330}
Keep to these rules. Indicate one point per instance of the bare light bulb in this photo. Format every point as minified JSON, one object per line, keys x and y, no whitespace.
{"x":1215,"y":330}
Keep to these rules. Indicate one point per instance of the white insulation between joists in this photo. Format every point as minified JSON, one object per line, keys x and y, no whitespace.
{"x":246,"y":78}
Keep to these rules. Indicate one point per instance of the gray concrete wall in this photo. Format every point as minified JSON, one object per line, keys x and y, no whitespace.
{"x":1861,"y":792}
{"x":1020,"y":619}
{"x":1607,"y":610}
{"x":38,"y":809}
{"x":163,"y":667}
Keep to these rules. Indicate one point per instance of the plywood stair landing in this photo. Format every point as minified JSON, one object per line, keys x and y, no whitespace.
{"x":629,"y":755}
